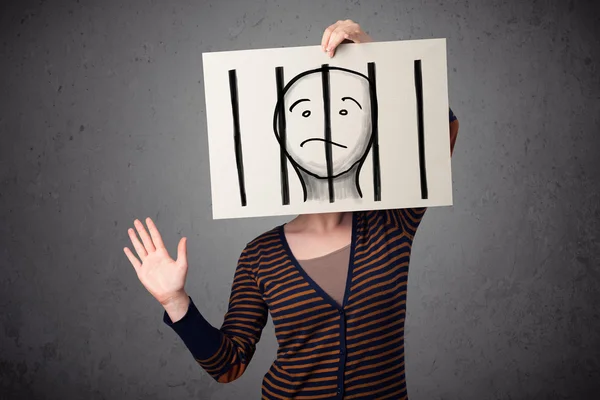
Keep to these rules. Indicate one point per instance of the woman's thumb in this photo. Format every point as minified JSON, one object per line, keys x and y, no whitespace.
{"x":182,"y":250}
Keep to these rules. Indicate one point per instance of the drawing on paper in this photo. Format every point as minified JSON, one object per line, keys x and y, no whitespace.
{"x":334,"y":172}
{"x":292,"y":131}
{"x":342,"y":121}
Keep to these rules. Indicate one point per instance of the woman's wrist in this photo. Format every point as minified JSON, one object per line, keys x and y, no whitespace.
{"x":177,"y":306}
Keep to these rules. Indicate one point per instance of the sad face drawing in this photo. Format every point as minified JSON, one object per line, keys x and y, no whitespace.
{"x":325,"y":121}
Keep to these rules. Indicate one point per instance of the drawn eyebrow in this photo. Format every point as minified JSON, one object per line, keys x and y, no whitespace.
{"x":350,"y":98}
{"x":297,"y":102}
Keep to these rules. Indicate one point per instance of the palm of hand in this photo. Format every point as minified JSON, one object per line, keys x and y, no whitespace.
{"x":161,"y":275}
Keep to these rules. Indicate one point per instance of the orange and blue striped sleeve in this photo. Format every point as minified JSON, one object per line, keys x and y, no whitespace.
{"x":226,"y":352}
{"x":408,"y":219}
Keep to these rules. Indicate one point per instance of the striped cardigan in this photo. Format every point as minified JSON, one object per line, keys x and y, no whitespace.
{"x":355,"y":351}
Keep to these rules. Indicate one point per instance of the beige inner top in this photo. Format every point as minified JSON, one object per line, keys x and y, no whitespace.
{"x":330,"y":272}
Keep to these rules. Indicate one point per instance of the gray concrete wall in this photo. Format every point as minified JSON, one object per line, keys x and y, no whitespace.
{"x":102,"y":120}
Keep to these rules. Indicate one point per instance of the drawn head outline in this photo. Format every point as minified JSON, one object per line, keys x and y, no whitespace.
{"x":350,"y":142}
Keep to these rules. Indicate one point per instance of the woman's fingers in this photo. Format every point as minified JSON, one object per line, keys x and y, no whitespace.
{"x":134,"y":261}
{"x":327,"y":34}
{"x":139,"y":248}
{"x":156,"y":238}
{"x":144,"y":235}
{"x":335,"y":39}
{"x":150,"y":243}
{"x":335,"y":34}
{"x":182,"y":251}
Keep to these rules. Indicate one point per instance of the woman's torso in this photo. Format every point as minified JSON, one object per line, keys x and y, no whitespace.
{"x":330,"y":350}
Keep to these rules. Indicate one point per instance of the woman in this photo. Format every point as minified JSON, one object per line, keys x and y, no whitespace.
{"x":337,"y":338}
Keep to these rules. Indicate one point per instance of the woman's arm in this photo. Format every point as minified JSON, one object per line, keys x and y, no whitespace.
{"x":453,"y":131}
{"x":226,"y":352}
{"x":406,"y":218}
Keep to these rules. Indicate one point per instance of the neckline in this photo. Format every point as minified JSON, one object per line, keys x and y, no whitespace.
{"x":305,"y":260}
{"x":320,"y":292}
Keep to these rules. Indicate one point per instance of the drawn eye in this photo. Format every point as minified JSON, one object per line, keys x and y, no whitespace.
{"x":343,"y":111}
{"x":306,"y":113}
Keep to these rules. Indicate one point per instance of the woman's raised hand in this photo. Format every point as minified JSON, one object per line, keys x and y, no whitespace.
{"x":162,"y":276}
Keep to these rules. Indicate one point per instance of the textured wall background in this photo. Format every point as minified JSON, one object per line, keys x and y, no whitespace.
{"x":102,"y":121}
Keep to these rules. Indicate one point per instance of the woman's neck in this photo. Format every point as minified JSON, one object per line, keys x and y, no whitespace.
{"x":320,"y":223}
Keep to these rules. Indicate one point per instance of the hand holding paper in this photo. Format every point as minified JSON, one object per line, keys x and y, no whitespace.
{"x":336,"y":33}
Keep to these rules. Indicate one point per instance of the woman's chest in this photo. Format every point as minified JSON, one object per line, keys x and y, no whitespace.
{"x":373,"y":263}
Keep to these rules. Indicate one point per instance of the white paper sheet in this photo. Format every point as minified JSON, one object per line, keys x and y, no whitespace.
{"x":350,"y":137}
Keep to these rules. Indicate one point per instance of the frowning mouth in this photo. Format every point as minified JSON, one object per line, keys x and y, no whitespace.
{"x":323,"y":140}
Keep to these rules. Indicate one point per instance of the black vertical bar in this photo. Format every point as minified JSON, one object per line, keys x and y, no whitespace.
{"x":375,"y":132}
{"x":285,"y":186}
{"x":237,"y":138}
{"x":421,"y":129}
{"x":328,"y":150}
